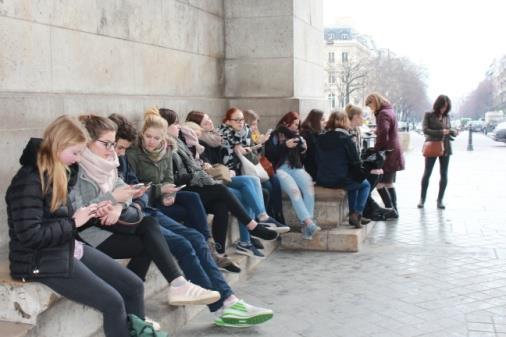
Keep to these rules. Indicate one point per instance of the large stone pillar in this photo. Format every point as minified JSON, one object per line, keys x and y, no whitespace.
{"x":273,"y":56}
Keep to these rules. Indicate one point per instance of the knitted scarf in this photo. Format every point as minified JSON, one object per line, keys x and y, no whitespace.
{"x":211,"y":138}
{"x":157,"y":154}
{"x":102,"y":171}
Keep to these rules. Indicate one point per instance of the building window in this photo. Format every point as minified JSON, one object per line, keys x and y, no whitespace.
{"x":344,"y":57}
{"x":332,"y":100}
{"x":331,"y":57}
{"x":345,"y":36}
{"x":332,"y":77}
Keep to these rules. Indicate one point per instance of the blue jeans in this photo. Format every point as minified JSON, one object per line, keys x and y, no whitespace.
{"x":357,"y":196}
{"x":249,"y":192}
{"x":192,"y":253}
{"x":188,"y":208}
{"x":298,"y":184}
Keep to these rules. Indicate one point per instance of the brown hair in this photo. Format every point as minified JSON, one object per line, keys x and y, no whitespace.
{"x":229,"y":113}
{"x":250,"y":116}
{"x":440,"y":103}
{"x":338,"y":119}
{"x":353,"y":110}
{"x":169,"y":115}
{"x":378,"y":100}
{"x":126,"y":130}
{"x":195,"y":116}
{"x":97,"y":125}
{"x":288,"y":119}
{"x":63,"y":132}
{"x":313,"y":121}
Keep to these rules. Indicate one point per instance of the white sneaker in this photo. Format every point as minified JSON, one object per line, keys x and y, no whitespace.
{"x":277,"y":229}
{"x":154,"y":323}
{"x":242,"y":314}
{"x":192,"y":294}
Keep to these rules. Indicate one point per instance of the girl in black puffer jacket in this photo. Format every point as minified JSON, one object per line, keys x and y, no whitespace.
{"x":42,"y":228}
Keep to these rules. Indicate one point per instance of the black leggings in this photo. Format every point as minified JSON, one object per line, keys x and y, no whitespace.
{"x":102,"y":283}
{"x":146,"y":244}
{"x":444,"y":161}
{"x":218,"y":200}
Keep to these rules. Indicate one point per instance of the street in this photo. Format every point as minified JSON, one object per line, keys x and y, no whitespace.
{"x":437,"y":273}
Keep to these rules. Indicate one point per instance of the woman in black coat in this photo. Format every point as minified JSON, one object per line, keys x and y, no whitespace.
{"x":436,"y":127}
{"x":310,"y":129}
{"x":340,"y":165}
{"x":42,"y":227}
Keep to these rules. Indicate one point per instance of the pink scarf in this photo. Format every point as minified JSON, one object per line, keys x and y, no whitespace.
{"x":102,"y":171}
{"x":191,"y":139}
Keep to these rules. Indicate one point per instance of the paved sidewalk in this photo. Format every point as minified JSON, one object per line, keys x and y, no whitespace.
{"x":431,"y":273}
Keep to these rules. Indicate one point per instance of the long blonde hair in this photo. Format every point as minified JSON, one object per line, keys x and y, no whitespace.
{"x":63,"y":132}
{"x":378,"y":100}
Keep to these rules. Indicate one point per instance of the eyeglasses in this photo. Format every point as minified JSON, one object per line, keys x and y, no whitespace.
{"x":238,"y":120}
{"x":107,"y":144}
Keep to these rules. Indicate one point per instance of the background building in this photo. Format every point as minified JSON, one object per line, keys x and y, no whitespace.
{"x":346,"y":54}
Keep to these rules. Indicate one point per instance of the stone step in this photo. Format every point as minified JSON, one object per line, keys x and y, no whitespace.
{"x":341,"y":239}
{"x":9,"y":329}
{"x":329,"y":211}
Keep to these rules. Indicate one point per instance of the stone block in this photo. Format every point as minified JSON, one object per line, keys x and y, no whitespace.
{"x":40,"y":11}
{"x":308,"y":44}
{"x":310,"y":12}
{"x":261,"y":37}
{"x":257,"y":8}
{"x":215,"y":7}
{"x":329,"y":212}
{"x":25,"y":61}
{"x":10,"y":329}
{"x":259,"y":78}
{"x":86,"y":63}
{"x":308,"y":79}
{"x":34,"y":111}
{"x":341,"y":239}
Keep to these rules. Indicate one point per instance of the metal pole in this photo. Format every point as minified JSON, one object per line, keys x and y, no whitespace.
{"x":470,"y":142}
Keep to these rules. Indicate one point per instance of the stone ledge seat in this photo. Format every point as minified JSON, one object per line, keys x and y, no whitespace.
{"x":331,"y":206}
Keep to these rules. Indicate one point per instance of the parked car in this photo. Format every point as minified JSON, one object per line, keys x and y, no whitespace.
{"x":499,"y":134}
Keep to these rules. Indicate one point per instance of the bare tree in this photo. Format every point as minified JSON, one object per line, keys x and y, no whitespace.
{"x":350,"y":79}
{"x":479,"y":101}
{"x":402,"y":82}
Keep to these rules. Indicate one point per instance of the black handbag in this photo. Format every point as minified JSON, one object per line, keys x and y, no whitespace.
{"x":373,"y":160}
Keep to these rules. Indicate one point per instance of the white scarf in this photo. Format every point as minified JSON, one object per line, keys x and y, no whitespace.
{"x":102,"y":171}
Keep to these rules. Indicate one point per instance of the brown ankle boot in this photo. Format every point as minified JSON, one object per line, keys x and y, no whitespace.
{"x":355,"y":220}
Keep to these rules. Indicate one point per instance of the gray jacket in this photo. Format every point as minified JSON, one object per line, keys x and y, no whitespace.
{"x":433,"y":130}
{"x":86,"y":192}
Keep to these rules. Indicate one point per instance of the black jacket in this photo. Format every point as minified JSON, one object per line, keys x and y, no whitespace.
{"x":41,"y":243}
{"x":339,"y":164}
{"x":309,"y":160}
{"x":278,"y":153}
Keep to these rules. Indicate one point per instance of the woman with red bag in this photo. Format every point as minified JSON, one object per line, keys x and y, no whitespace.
{"x":436,"y":127}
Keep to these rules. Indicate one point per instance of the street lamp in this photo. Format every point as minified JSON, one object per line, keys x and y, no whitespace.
{"x":470,"y":139}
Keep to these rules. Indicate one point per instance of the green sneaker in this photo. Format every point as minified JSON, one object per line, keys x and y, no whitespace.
{"x":219,"y":322}
{"x":243,"y":313}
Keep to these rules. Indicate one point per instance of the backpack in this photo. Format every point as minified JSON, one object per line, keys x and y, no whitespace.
{"x":140,"y":328}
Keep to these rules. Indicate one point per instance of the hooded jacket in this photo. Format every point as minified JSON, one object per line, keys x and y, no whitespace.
{"x":337,"y":157}
{"x":41,"y":242}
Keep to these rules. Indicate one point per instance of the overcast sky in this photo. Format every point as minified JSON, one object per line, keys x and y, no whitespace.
{"x":455,"y":40}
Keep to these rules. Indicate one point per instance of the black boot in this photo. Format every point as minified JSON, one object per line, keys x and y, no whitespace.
{"x":385,"y":197}
{"x":393,"y":197}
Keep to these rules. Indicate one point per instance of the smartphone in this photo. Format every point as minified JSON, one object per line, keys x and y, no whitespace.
{"x":138,"y":186}
{"x":269,"y":131}
{"x":148,"y":184}
{"x":178,"y":188}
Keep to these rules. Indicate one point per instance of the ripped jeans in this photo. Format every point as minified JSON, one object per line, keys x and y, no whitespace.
{"x":298,"y":185}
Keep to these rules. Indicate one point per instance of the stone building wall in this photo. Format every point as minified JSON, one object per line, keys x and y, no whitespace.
{"x":84,"y":56}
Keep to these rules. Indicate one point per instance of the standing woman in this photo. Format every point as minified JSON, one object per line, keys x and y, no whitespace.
{"x":285,"y":149}
{"x":387,"y":138}
{"x":311,"y":128}
{"x":436,"y":127}
{"x":42,"y":225}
